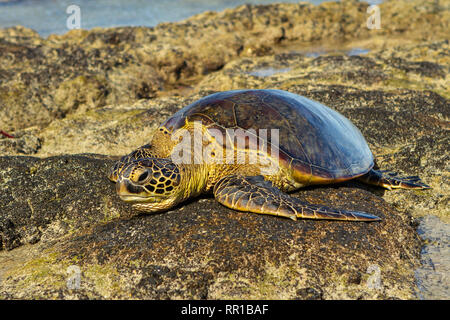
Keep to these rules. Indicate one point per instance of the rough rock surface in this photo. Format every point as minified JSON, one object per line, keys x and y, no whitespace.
{"x":75,"y":102}
{"x":63,"y":207}
{"x":44,"y":79}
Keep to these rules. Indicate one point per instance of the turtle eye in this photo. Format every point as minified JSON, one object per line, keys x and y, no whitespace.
{"x":143,"y":176}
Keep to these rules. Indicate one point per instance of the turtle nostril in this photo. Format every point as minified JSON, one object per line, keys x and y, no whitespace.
{"x":143,"y":176}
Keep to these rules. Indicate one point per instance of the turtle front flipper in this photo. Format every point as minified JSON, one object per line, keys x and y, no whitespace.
{"x":140,"y":153}
{"x":390,"y":180}
{"x":254,"y":194}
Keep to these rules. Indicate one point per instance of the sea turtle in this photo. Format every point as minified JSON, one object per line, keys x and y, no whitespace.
{"x":246,"y":168}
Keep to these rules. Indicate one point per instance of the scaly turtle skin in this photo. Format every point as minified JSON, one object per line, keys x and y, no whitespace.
{"x":312,"y":144}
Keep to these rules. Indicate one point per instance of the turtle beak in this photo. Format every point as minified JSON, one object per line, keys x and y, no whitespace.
{"x":122,"y":189}
{"x":130,"y":192}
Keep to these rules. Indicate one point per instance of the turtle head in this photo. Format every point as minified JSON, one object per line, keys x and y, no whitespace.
{"x":151,"y":184}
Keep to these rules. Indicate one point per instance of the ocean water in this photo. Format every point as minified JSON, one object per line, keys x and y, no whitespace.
{"x":50,"y":16}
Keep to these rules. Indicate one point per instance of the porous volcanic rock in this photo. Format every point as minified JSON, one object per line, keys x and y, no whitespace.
{"x":43,"y":79}
{"x":62,"y":212}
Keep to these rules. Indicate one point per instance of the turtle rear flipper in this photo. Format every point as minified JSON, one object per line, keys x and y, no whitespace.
{"x":390,"y":180}
{"x":254,"y":194}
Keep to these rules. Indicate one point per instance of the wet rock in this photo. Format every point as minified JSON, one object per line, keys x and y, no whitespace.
{"x":37,"y":194}
{"x":309,"y":294}
{"x":67,"y":210}
{"x":23,"y":142}
{"x":423,"y":68}
{"x":113,"y":130}
{"x":433,"y":273}
{"x":47,"y":79}
{"x":408,"y":67}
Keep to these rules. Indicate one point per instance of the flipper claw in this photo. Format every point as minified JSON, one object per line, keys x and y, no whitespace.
{"x":254,"y":194}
